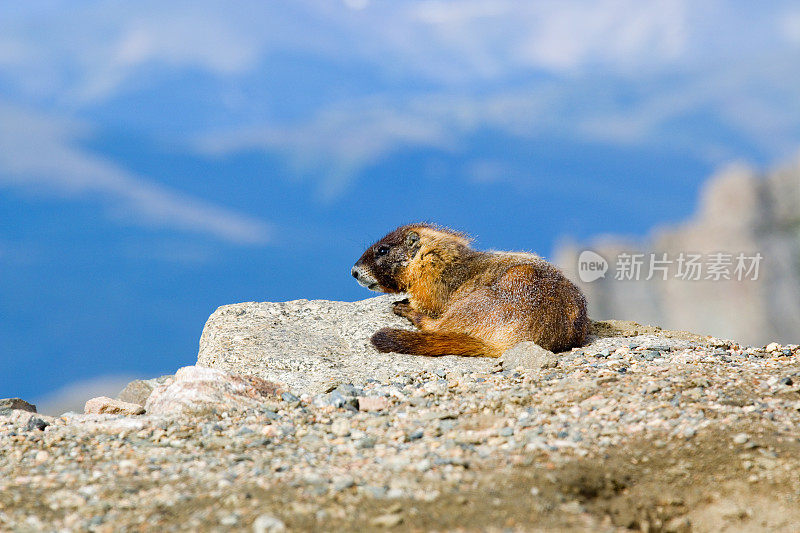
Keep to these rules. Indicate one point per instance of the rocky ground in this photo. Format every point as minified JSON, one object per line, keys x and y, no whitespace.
{"x":641,"y":429}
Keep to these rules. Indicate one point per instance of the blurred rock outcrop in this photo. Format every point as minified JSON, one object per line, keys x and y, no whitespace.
{"x":740,"y":212}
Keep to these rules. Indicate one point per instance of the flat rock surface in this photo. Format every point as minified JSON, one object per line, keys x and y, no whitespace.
{"x":106,"y":405}
{"x":313,"y":345}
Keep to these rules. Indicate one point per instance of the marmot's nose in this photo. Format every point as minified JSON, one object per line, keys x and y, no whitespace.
{"x":354,"y":272}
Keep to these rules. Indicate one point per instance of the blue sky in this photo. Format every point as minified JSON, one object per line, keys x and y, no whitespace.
{"x":162,"y":159}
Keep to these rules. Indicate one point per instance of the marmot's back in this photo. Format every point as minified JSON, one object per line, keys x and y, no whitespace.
{"x":468,"y":302}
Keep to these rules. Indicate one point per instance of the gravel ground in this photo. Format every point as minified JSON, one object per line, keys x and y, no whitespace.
{"x":655,"y":432}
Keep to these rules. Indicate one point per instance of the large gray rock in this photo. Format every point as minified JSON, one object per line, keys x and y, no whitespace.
{"x":314,"y":345}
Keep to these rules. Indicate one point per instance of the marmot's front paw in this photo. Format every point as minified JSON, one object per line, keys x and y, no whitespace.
{"x":402,"y":308}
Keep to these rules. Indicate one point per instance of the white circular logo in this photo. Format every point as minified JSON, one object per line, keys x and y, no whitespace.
{"x":591,"y":266}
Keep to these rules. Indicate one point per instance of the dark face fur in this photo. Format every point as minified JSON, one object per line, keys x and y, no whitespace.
{"x":381,"y":266}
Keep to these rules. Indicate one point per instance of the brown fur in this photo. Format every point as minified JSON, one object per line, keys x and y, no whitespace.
{"x":467,"y":302}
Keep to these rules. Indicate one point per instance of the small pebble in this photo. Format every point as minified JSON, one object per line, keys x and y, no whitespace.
{"x":741,"y":438}
{"x":773,"y":347}
{"x":387,"y":520}
{"x":340,"y":427}
{"x":268,"y":524}
{"x":229,"y":520}
{"x":35,"y":423}
{"x":289,"y":397}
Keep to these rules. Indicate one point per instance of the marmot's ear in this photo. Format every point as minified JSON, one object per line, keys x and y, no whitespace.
{"x":412,"y":238}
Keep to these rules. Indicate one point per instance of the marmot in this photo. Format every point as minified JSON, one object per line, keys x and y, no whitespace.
{"x":467,"y":302}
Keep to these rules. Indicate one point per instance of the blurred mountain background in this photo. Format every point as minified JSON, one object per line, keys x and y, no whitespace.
{"x":741,"y":211}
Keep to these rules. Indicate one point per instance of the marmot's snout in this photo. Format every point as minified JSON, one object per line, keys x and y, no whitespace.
{"x":363,"y":277}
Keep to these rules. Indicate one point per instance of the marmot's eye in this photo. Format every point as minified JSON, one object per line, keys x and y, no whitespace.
{"x":381,"y":250}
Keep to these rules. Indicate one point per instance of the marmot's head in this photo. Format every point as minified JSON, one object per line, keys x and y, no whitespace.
{"x":383,"y":266}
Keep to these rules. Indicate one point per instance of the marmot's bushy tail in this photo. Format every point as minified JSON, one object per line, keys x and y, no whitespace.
{"x":429,"y":343}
